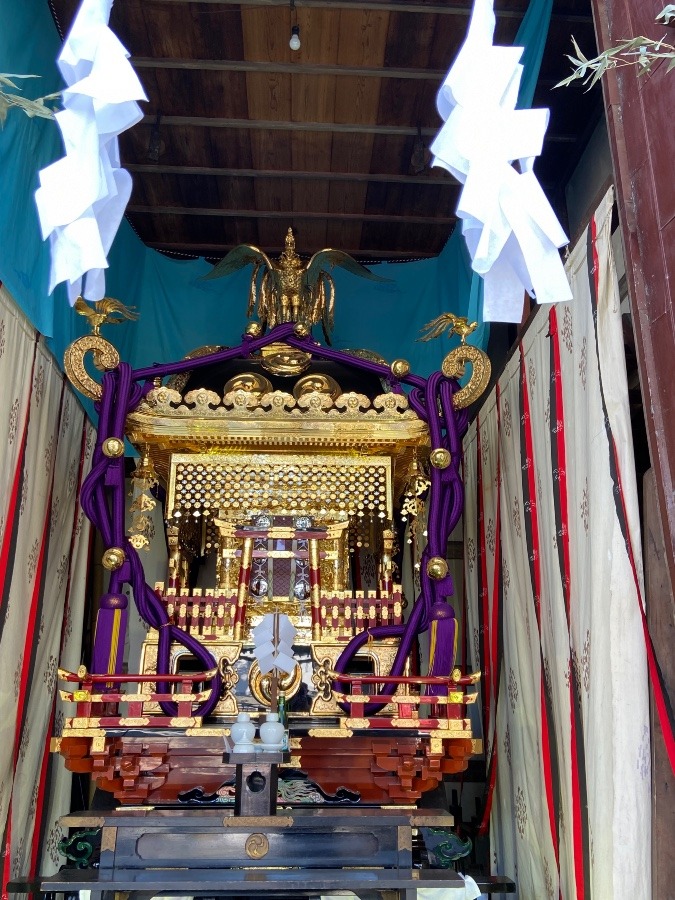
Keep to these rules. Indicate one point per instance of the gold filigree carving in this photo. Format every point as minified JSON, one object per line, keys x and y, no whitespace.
{"x":341,"y":485}
{"x":391,"y":402}
{"x":105,"y":358}
{"x":356,"y":723}
{"x":322,"y":679}
{"x":330,"y":732}
{"x":257,"y":821}
{"x":277,"y":401}
{"x":453,"y":367}
{"x":352,"y":403}
{"x":202,"y":399}
{"x":315,"y":401}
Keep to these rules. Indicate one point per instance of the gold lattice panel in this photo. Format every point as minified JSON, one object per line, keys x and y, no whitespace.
{"x":281,"y":484}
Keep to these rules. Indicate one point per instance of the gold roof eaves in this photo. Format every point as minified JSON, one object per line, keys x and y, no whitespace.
{"x":170,"y":434}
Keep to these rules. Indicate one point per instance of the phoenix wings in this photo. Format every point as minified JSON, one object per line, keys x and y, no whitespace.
{"x":290,"y":290}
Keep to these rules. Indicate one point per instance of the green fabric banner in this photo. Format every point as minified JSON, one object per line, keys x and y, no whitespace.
{"x":178,"y":311}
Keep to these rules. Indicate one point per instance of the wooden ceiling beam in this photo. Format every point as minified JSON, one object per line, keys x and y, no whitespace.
{"x":219,"y":250}
{"x":438,"y":9}
{"x":290,"y":214}
{"x":285,"y":68}
{"x":323,"y":127}
{"x":150,"y":168}
{"x":284,"y":125}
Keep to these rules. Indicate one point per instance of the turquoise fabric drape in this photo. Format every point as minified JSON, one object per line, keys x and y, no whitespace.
{"x":178,"y":311}
{"x":29,"y":44}
{"x":531,"y":35}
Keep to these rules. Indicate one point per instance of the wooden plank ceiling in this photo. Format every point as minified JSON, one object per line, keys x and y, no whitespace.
{"x":251,"y":137}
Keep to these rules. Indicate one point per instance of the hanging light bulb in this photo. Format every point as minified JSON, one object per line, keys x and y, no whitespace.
{"x":294,"y":42}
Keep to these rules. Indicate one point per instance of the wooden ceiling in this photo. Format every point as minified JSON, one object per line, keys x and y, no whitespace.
{"x":251,"y":137}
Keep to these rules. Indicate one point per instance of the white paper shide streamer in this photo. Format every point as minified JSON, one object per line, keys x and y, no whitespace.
{"x":511,"y":232}
{"x":82,"y":197}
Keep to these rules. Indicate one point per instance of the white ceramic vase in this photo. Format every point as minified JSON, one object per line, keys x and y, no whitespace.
{"x":272,"y":733}
{"x":242,"y":733}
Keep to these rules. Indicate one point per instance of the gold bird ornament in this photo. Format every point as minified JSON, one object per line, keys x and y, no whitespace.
{"x":449,"y":322}
{"x":289,"y":290}
{"x":107,"y":311}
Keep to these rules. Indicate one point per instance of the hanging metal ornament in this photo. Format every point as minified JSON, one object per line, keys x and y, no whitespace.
{"x":413,"y":505}
{"x":143,"y":480}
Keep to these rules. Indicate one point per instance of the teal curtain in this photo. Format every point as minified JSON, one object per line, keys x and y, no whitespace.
{"x":178,"y":311}
{"x":531,"y":35}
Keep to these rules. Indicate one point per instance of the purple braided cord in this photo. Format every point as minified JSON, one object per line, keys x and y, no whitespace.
{"x":106,"y":480}
{"x":445,"y":507}
{"x":122,"y":393}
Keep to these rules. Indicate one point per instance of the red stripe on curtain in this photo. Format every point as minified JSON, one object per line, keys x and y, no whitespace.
{"x":484,"y":607}
{"x":497,"y":574}
{"x":661,"y":699}
{"x":491,"y":622}
{"x":530,"y":511}
{"x":23,"y":688}
{"x":576,"y":736}
{"x":10,"y":527}
{"x":39,"y":808}
{"x":6,"y":870}
{"x":30,"y":637}
{"x":29,"y":643}
{"x":39,"y":832}
{"x":8,"y":543}
{"x":484,"y":601}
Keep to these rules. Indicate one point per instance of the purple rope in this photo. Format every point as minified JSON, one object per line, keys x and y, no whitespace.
{"x":104,"y":487}
{"x":152,"y":610}
{"x":445,"y":507}
{"x":248,"y":345}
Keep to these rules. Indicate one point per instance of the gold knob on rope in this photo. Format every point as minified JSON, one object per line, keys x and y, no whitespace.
{"x":113,"y":447}
{"x":113,"y":558}
{"x":437,"y":568}
{"x":440,"y":458}
{"x":400,"y":368}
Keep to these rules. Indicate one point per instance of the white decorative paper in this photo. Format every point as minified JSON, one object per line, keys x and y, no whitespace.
{"x":511,"y":232}
{"x":82,"y":197}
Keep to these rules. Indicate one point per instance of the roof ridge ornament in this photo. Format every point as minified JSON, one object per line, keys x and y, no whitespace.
{"x":289,"y":290}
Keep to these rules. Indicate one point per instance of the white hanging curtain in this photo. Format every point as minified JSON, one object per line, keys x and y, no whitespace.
{"x":570,"y":810}
{"x":43,"y":543}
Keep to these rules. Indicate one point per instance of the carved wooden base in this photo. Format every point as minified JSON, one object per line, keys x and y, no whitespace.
{"x":154,"y":769}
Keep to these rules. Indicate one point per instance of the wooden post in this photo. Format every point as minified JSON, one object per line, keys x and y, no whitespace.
{"x":661,"y":620}
{"x":639,"y":121}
